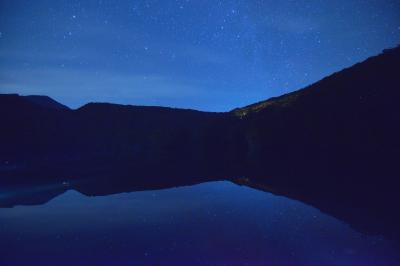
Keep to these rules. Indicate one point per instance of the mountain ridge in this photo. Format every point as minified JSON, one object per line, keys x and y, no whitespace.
{"x":282,"y":100}
{"x":288,"y":97}
{"x":358,"y":89}
{"x":332,"y":145}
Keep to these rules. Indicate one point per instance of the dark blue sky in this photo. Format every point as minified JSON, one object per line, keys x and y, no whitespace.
{"x":208,"y":55}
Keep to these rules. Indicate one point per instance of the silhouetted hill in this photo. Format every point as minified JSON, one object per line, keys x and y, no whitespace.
{"x":382,"y":67}
{"x":45,"y":101}
{"x":105,"y":138}
{"x":344,"y":125}
{"x":334,"y":144}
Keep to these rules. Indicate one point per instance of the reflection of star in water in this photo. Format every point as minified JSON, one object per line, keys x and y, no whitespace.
{"x":74,"y":16}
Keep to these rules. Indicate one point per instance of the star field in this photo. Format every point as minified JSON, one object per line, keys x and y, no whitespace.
{"x":207,"y":55}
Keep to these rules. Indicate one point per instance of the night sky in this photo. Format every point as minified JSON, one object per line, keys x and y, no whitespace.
{"x":208,"y":55}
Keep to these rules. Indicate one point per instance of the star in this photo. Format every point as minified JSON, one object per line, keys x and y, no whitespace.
{"x":229,"y":45}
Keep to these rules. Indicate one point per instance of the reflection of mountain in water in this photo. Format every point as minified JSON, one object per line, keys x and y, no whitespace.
{"x":334,"y":144}
{"x":359,"y":212}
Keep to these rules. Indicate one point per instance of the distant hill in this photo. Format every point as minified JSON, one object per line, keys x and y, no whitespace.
{"x":45,"y":101}
{"x":101,"y":138}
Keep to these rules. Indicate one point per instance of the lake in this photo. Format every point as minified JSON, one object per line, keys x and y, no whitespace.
{"x":214,"y":223}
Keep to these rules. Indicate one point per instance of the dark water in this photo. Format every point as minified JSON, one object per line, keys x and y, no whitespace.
{"x":215,"y":223}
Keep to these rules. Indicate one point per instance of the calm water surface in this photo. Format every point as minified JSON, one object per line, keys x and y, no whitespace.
{"x":216,"y":223}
